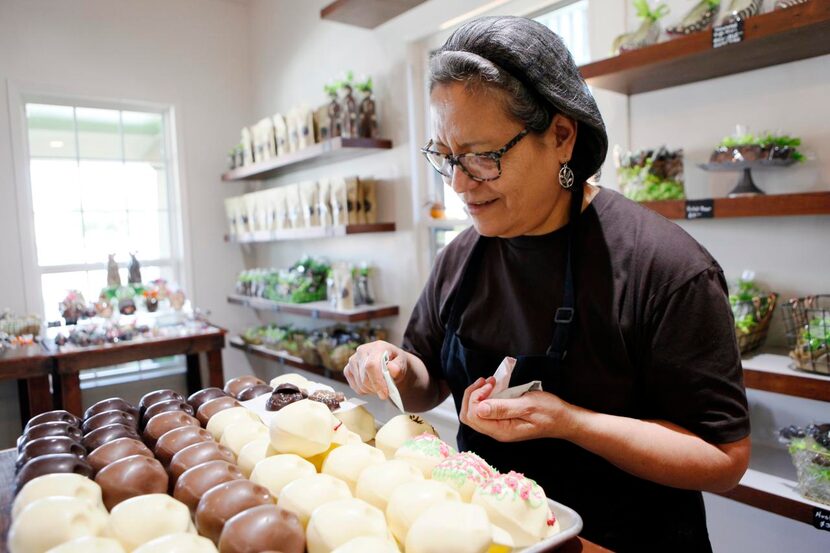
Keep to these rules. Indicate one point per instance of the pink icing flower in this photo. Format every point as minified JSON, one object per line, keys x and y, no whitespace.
{"x":551,"y":519}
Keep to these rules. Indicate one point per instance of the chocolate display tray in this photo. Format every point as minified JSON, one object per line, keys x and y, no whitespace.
{"x":570,"y":524}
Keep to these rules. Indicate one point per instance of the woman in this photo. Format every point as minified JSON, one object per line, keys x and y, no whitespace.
{"x":619,"y":313}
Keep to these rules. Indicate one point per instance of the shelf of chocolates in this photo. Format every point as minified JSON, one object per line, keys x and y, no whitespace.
{"x":285,"y":358}
{"x":318,"y":309}
{"x":780,"y":36}
{"x":205,"y":473}
{"x":309,"y":233}
{"x":328,"y":151}
{"x":766,"y":205}
{"x":772,"y":372}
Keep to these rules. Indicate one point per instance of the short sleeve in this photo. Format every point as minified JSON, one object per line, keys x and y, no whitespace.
{"x":693,"y":376}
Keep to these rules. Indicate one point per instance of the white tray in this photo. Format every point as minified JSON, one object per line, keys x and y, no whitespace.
{"x":570,"y":524}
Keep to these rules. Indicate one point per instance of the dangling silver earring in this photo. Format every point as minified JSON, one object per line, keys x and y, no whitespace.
{"x":566,"y":176}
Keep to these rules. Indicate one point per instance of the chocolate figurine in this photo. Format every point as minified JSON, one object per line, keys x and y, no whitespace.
{"x":134,"y":271}
{"x":367,"y":118}
{"x":113,"y":277}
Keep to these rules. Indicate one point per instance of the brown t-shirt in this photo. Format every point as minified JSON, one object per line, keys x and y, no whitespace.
{"x":654,"y":334}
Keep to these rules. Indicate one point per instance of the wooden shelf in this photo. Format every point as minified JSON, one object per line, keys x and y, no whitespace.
{"x":775,"y":495}
{"x":317,"y":309}
{"x":285,"y":358}
{"x":767,"y":205}
{"x":310,"y":233}
{"x":772,"y":373}
{"x":366,"y":13}
{"x":770,"y":39}
{"x":335,"y":149}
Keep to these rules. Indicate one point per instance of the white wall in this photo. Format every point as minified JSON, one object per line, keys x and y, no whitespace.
{"x":191,"y":54}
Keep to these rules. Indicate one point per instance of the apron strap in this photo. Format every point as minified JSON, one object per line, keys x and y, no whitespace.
{"x":564,"y":316}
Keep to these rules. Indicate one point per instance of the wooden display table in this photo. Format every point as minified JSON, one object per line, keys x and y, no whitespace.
{"x":8,"y":456}
{"x":30,"y":366}
{"x":68,"y":363}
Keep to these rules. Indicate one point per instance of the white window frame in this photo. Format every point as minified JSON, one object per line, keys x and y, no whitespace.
{"x":21,"y":94}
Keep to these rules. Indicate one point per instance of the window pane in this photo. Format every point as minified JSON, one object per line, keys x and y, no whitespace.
{"x":102,"y":185}
{"x":149,"y":234}
{"x":51,"y":131}
{"x":99,"y":133}
{"x":146,"y":186}
{"x":55,"y":287}
{"x":143,"y":136}
{"x":97,"y":280}
{"x":55,"y":185}
{"x":59,"y":237}
{"x":106,"y":233}
{"x":571,"y":24}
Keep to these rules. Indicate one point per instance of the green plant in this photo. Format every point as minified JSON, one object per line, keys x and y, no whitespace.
{"x":767,"y":140}
{"x":743,"y":301}
{"x":713,"y":4}
{"x":642,"y":185}
{"x":817,"y":333}
{"x":332,"y":89}
{"x":365,"y":86}
{"x":644,"y":11}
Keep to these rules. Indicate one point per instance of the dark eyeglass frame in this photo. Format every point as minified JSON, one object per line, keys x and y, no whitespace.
{"x":455,"y":159}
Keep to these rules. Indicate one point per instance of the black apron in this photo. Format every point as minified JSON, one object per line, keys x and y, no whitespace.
{"x":620,"y":511}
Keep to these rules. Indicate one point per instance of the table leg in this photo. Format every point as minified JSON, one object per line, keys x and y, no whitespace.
{"x":194,"y":374}
{"x":34,"y":396}
{"x":215,"y":373}
{"x":68,"y":391}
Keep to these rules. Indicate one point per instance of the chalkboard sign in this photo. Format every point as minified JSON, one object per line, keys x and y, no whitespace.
{"x":731,"y":33}
{"x":700,"y":209}
{"x":821,"y":519}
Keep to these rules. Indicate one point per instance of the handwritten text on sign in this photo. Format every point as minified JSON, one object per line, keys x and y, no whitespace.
{"x":821,"y":519}
{"x":700,"y":209}
{"x":731,"y":33}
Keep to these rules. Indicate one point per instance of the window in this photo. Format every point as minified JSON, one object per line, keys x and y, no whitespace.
{"x":99,"y":185}
{"x":570,"y":22}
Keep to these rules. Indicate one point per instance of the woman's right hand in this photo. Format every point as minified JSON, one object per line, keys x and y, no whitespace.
{"x":364,"y":372}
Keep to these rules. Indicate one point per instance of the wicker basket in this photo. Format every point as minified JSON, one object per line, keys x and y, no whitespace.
{"x":808,"y":332}
{"x":760,"y":310}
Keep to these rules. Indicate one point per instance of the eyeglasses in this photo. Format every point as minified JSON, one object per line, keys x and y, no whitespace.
{"x":481,"y":166}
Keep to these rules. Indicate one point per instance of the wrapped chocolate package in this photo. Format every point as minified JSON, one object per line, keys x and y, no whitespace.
{"x":280,"y":134}
{"x":369,"y":200}
{"x":309,"y":203}
{"x":292,"y":205}
{"x":305,"y":119}
{"x":246,"y":139}
{"x":339,"y":202}
{"x":280,"y":209}
{"x":292,"y":124}
{"x":324,"y":202}
{"x":354,"y":205}
{"x":322,"y":123}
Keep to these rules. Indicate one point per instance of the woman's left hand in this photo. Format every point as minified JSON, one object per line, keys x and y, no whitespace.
{"x":533,"y":415}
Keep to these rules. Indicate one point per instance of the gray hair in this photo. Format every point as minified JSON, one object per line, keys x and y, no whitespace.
{"x":532,"y":65}
{"x":474,"y":70}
